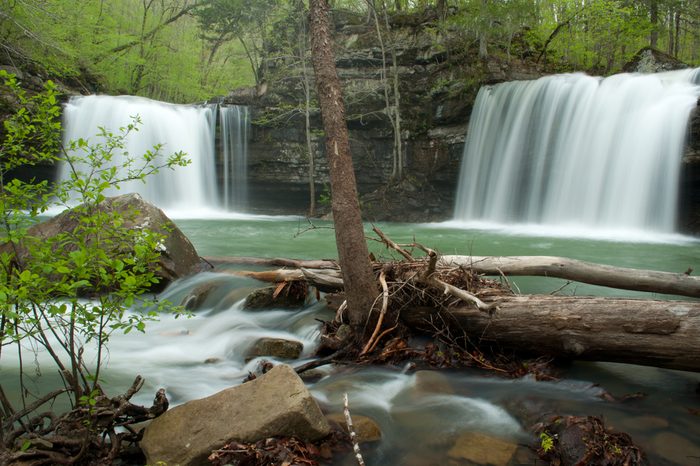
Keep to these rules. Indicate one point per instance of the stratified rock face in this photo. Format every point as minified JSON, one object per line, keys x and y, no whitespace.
{"x":275,"y":404}
{"x":439,"y":78}
{"x":689,"y":196}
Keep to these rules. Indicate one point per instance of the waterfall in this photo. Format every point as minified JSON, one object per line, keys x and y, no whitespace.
{"x":581,"y":151}
{"x":187,"y":128}
{"x":235,"y":126}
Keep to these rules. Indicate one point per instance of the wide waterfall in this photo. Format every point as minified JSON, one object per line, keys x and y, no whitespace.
{"x":192,"y":191}
{"x":235,"y":126}
{"x":578,"y":151}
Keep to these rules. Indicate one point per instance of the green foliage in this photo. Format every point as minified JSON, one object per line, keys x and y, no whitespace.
{"x":546,"y":442}
{"x":44,"y":282}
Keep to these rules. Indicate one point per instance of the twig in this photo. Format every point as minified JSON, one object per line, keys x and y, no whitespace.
{"x":568,"y":282}
{"x":351,"y":431}
{"x":385,"y":303}
{"x":341,"y":310}
{"x":382,"y":335}
{"x":392,"y":245}
{"x":466,"y":296}
{"x":319,"y":362}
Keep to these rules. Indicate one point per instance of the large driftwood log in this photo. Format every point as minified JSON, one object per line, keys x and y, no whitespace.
{"x":586,"y":272}
{"x":649,"y":332}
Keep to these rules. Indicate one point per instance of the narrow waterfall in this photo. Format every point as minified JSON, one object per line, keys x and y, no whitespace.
{"x":574,"y":150}
{"x":234,"y":127}
{"x":185,"y":128}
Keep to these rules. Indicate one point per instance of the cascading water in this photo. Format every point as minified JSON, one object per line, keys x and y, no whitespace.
{"x":186,"y":128}
{"x":575,"y":150}
{"x":235,"y":127}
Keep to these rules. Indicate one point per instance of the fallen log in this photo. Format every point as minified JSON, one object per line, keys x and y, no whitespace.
{"x":273,"y":262}
{"x":326,"y":280}
{"x":647,"y":332}
{"x":681,"y":284}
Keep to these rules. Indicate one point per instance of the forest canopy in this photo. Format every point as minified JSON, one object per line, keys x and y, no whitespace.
{"x":191,"y":50}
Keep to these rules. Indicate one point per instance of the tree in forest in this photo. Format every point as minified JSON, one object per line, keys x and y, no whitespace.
{"x":392,"y":96}
{"x":358,"y":277}
{"x":245,"y":20}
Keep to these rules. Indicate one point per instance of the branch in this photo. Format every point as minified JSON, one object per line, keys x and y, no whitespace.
{"x":392,"y":245}
{"x":351,"y":431}
{"x":371,"y":343}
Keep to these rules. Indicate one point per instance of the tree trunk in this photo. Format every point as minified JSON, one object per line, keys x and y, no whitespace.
{"x":587,"y":272}
{"x":654,"y":19}
{"x":656,"y":333}
{"x":353,"y":254}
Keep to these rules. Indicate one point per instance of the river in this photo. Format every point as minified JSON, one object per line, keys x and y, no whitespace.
{"x":422,"y":414}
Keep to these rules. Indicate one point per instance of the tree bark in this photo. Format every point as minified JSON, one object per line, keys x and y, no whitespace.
{"x":656,"y":333}
{"x":358,"y":277}
{"x":587,"y":272}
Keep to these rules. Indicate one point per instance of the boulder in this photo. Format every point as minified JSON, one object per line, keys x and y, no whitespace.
{"x":650,"y":60}
{"x":366,"y":428}
{"x":276,"y":347}
{"x":484,"y":449}
{"x":265,"y":298}
{"x":274,"y":404}
{"x":197,"y":296}
{"x":178,"y":256}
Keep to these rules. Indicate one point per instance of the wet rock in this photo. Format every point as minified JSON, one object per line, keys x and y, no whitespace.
{"x":432,"y":382}
{"x":576,"y":440}
{"x":312,"y":376}
{"x":642,"y":423}
{"x":196,"y":297}
{"x":276,"y":347}
{"x":675,"y":448}
{"x":483,"y":449}
{"x":331,"y":342}
{"x":264,"y":298}
{"x":275,"y":404}
{"x":366,"y":428}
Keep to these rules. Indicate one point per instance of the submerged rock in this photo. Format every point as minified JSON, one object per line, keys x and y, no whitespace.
{"x":197,"y":296}
{"x":277,"y":348}
{"x":275,"y":404}
{"x":366,"y":428}
{"x":484,"y":449}
{"x":266,"y":298}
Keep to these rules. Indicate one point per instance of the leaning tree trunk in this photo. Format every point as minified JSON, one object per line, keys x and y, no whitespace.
{"x":648,"y":332}
{"x":360,"y":287}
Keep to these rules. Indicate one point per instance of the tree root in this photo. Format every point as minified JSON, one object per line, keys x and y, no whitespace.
{"x":86,"y":431}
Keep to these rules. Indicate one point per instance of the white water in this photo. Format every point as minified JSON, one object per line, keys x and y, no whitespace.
{"x":190,"y":191}
{"x":235,"y":126}
{"x":578,"y":152}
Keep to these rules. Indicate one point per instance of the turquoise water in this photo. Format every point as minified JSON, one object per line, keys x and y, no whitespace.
{"x":421,"y":414}
{"x":297,"y":238}
{"x":421,"y":420}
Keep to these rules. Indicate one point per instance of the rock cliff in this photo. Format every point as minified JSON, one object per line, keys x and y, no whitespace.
{"x":439,"y":76}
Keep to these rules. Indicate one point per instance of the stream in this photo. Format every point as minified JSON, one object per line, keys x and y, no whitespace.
{"x":421,"y":413}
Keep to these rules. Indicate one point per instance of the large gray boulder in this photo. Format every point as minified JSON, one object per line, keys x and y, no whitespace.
{"x":275,"y":404}
{"x":178,"y":257}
